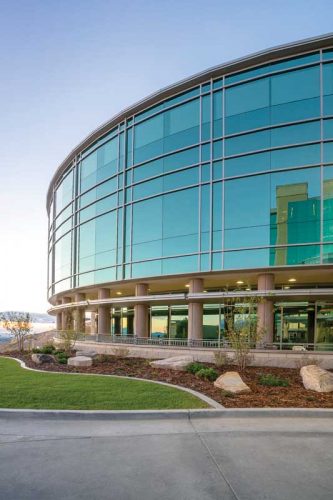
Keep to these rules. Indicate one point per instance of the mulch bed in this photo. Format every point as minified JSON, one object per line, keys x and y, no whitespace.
{"x":293,"y":396}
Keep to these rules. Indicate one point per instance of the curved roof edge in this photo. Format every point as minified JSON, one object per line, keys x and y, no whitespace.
{"x":235,"y":65}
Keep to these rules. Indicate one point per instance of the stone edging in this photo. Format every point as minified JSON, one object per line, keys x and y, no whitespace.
{"x":211,"y":402}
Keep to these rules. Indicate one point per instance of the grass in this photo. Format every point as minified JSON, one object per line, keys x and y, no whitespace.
{"x":20,"y":388}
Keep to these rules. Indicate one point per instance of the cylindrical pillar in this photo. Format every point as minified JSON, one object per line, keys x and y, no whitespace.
{"x":141,"y":312}
{"x":195,"y":311}
{"x":58,"y":317}
{"x":266,"y":308}
{"x":104,"y":321}
{"x":79,"y":318}
{"x":66,"y":316}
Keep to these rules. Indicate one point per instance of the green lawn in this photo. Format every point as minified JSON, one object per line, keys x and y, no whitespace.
{"x":20,"y":388}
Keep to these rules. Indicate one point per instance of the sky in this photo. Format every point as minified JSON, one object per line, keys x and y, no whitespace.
{"x":66,"y":66}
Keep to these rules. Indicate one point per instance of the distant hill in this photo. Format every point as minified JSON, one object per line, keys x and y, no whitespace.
{"x":38,"y":317}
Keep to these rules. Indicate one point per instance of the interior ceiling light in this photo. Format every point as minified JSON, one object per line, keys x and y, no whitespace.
{"x":119,"y":293}
{"x":187,"y":286}
{"x":286,"y":287}
{"x":292,"y":280}
{"x":240,"y":282}
{"x":248,"y":289}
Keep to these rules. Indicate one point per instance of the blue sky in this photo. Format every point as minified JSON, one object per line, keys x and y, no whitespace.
{"x":69,"y":65}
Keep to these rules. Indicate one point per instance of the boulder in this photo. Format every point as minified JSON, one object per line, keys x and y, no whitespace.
{"x":88,"y":354}
{"x":39,"y":359}
{"x":231,"y":382}
{"x":174,"y":363}
{"x":317,"y":379}
{"x":79,"y":361}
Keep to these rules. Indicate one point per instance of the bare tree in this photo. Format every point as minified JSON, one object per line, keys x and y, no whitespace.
{"x":17,"y":324}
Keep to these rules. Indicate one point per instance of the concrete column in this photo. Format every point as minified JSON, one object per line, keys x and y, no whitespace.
{"x":104,"y":320}
{"x":141,"y":312}
{"x":79,"y":317}
{"x":58,"y":317}
{"x":66,"y":316}
{"x":266,"y":308}
{"x":195,"y":311}
{"x":93,"y":323}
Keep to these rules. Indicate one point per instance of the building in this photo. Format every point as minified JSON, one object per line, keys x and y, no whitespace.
{"x":218,"y":186}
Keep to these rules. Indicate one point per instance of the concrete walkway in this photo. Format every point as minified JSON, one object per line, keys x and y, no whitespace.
{"x":45,"y":457}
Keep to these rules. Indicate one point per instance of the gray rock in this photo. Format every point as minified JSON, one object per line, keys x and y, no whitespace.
{"x":231,"y":382}
{"x":317,"y":379}
{"x":88,"y":354}
{"x":39,"y":359}
{"x":80,"y":361}
{"x":174,"y":363}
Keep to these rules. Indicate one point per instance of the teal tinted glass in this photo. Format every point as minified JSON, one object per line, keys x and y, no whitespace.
{"x":296,"y":85}
{"x":328,"y":206}
{"x":205,"y":152}
{"x":328,"y":88}
{"x":246,"y":259}
{"x":295,"y":157}
{"x":268,"y":68}
{"x":247,"y":164}
{"x":294,"y":134}
{"x":205,"y":117}
{"x":248,"y":142}
{"x":217,"y":170}
{"x":217,"y":149}
{"x":328,"y":129}
{"x":64,"y":192}
{"x":217,"y":215}
{"x":205,"y":219}
{"x":148,"y":138}
{"x":327,"y":54}
{"x":217,"y":114}
{"x":147,"y":216}
{"x":328,"y":152}
{"x":180,"y":265}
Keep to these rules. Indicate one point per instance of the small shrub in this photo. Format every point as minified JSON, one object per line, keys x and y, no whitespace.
{"x":47,"y":349}
{"x":62,"y":361}
{"x":273,"y":381}
{"x":36,"y":350}
{"x":207,"y":374}
{"x":121,"y":352}
{"x":194,"y":367}
{"x":61,"y":357}
{"x":221,"y":358}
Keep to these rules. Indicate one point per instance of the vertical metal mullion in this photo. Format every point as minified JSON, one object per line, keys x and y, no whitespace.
{"x":131,"y":231}
{"x":75,"y":222}
{"x":117,"y":214}
{"x":321,"y":159}
{"x":200,"y":181}
{"x":211,"y":178}
{"x":223,"y":176}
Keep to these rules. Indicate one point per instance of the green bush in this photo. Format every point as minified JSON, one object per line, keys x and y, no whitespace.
{"x":194,"y":367}
{"x":62,"y":357}
{"x":47,"y":349}
{"x":36,"y":350}
{"x":62,"y":361}
{"x":207,"y":374}
{"x":273,"y":381}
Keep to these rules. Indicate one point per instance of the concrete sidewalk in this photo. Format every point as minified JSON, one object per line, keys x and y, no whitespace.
{"x":166,"y":459}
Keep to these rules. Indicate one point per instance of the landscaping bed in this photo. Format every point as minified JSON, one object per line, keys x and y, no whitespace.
{"x":292,"y":395}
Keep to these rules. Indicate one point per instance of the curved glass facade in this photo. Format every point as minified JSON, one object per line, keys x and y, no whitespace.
{"x":234,"y":173}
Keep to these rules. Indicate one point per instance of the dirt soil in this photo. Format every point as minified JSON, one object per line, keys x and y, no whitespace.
{"x":293,"y":396}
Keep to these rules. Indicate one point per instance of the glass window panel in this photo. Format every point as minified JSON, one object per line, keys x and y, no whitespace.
{"x":327,"y":207}
{"x":181,"y":265}
{"x":296,"y":110}
{"x":180,"y":213}
{"x":148,"y":138}
{"x":147,"y":250}
{"x":205,"y":152}
{"x":217,"y":114}
{"x":205,"y":172}
{"x":204,"y":262}
{"x":178,"y":322}
{"x":105,"y":275}
{"x":149,"y":268}
{"x":181,"y":126}
{"x":181,"y":159}
{"x":217,"y":149}
{"x":295,"y":255}
{"x":148,"y":188}
{"x":248,"y":142}
{"x":205,"y":117}
{"x":295,"y":86}
{"x":64,"y":192}
{"x":182,"y":97}
{"x":211,"y":321}
{"x":180,"y":245}
{"x":159,"y":322}
{"x":328,"y":129}
{"x":181,"y":179}
{"x":217,"y":170}
{"x":206,"y":87}
{"x":246,"y":121}
{"x":247,"y":164}
{"x":244,"y":208}
{"x":217,"y":84}
{"x":205,"y":217}
{"x":328,"y":54}
{"x":217,"y":261}
{"x":294,"y":134}
{"x":148,"y":170}
{"x":247,"y":97}
{"x":328,"y":152}
{"x":217,"y":215}
{"x":295,"y":157}
{"x":147,"y":216}
{"x":63,"y":257}
{"x":246,"y":259}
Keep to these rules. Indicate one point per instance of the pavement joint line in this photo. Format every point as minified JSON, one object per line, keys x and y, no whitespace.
{"x":211,"y":402}
{"x":218,"y":467}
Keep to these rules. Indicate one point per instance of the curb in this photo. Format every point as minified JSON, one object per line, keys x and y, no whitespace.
{"x":167,"y":414}
{"x":211,"y":402}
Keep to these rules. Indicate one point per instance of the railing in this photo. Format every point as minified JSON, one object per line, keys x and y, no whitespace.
{"x":199,"y":344}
